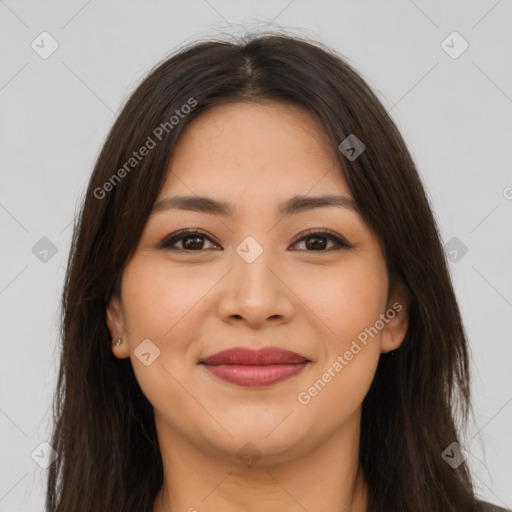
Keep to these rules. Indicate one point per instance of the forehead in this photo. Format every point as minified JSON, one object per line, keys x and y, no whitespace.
{"x":246,"y":150}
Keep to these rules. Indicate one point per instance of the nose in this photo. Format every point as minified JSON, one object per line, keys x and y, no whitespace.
{"x":256,"y":293}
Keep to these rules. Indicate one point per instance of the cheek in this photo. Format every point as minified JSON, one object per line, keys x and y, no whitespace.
{"x":156,"y":302}
{"x":160,"y":305}
{"x":334,"y":396}
{"x":346,"y":300}
{"x":350,"y":304}
{"x":158,"y":298}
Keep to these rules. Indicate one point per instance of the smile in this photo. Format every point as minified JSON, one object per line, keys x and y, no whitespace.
{"x":255,"y":368}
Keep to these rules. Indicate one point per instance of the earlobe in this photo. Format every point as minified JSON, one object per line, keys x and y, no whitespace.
{"x":397,"y":314}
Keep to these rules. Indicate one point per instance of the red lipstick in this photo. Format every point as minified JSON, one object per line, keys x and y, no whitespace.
{"x":256,"y":368}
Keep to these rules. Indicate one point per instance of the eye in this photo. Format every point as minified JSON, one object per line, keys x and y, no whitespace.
{"x":191,"y":240}
{"x":316,"y":240}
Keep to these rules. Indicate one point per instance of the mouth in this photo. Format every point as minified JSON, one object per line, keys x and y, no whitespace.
{"x":255,"y":368}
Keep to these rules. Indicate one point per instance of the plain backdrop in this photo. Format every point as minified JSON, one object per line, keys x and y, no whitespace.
{"x":452,"y":104}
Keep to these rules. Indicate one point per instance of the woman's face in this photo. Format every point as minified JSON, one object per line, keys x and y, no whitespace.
{"x":254,"y":278}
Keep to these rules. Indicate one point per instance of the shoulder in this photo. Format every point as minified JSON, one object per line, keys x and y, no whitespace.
{"x":483,"y":506}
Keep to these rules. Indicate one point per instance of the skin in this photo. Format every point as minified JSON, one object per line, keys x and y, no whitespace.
{"x":192,"y":304}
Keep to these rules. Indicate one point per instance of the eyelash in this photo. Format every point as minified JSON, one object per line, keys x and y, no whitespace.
{"x":169,"y":241}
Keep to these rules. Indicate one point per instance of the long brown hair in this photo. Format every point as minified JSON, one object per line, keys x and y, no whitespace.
{"x":104,"y":431}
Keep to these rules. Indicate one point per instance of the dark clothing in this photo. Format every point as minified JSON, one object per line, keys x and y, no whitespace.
{"x":489,"y":507}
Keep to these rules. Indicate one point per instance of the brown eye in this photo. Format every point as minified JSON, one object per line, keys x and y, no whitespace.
{"x":317,"y":241}
{"x":192,"y":241}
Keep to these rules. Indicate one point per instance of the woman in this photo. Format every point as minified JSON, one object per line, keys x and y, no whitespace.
{"x":257,"y":312}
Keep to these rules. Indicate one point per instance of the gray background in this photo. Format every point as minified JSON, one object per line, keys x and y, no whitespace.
{"x":455,"y":114}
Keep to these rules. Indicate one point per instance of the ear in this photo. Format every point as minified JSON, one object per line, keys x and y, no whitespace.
{"x":116,"y":326}
{"x":397,"y":317}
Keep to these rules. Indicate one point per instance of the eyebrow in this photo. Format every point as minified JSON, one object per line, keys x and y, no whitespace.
{"x":296,"y":204}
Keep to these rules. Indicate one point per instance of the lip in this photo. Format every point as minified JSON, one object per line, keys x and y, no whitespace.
{"x":255,"y":368}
